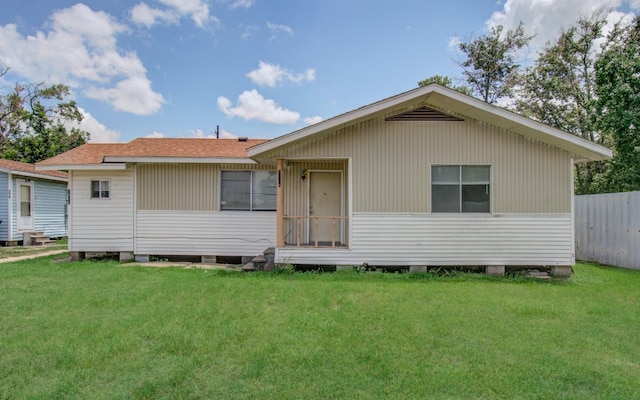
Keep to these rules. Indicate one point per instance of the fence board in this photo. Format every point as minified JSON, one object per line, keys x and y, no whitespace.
{"x":608,"y":228}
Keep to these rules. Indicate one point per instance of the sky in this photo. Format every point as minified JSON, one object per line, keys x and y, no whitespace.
{"x":255,"y":68}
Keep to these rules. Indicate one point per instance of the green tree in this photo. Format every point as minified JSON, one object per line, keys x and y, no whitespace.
{"x":618,"y":90}
{"x":33,"y":120}
{"x":490,"y":67}
{"x":560,"y":90}
{"x":445,"y":81}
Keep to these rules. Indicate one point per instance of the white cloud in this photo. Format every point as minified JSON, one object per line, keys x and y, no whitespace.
{"x":271,"y":74}
{"x":155,"y":135}
{"x":99,"y":132}
{"x":251,"y":105}
{"x":142,"y":14}
{"x":635,"y":4}
{"x":132,"y":95}
{"x":199,"y":133}
{"x":242,"y":3}
{"x":313,"y":120}
{"x":197,"y":10}
{"x":454,"y":43}
{"x":248,"y":31}
{"x":545,"y":18}
{"x":80,"y":50}
{"x":278,"y":28}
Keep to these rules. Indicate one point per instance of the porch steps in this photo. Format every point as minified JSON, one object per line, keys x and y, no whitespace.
{"x":40,"y":239}
{"x":261,"y":262}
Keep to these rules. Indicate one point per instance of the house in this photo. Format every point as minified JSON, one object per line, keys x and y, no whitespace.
{"x":34,"y":201}
{"x":430,"y":177}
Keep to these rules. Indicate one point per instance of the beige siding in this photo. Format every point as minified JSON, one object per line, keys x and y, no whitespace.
{"x":187,"y":187}
{"x":447,"y":240}
{"x":391,"y":164}
{"x":102,"y":224}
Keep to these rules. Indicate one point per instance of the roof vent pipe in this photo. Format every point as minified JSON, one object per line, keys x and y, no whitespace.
{"x":243,"y":139}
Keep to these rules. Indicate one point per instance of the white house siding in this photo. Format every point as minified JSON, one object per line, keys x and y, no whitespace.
{"x":102,"y":224}
{"x":224,"y":233}
{"x":391,"y":164}
{"x":447,"y":240}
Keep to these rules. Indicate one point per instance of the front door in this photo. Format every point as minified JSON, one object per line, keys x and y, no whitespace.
{"x":325,"y":200}
{"x":25,"y":205}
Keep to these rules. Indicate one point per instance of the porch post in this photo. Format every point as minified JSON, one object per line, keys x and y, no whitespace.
{"x":279,"y":204}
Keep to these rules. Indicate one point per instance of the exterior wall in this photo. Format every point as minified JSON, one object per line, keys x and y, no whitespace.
{"x":179,"y":213}
{"x":608,"y":229}
{"x":102,"y":224}
{"x":225,"y":233}
{"x":187,"y":187}
{"x":391,"y":164}
{"x":387,"y":239}
{"x":50,"y":208}
{"x":4,"y":206}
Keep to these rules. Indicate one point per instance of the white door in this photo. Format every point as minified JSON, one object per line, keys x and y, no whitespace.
{"x":25,"y":205}
{"x":325,"y":200}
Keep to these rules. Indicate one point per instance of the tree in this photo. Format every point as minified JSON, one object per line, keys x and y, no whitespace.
{"x":618,"y":89}
{"x":490,"y":67}
{"x":446,"y":82}
{"x":33,"y":120}
{"x":560,"y":90}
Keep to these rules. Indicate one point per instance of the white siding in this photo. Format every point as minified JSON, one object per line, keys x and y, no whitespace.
{"x":102,"y":224}
{"x":447,"y":240}
{"x":223,"y":233}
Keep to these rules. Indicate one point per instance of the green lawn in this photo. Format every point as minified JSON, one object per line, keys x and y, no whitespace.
{"x":104,"y":330}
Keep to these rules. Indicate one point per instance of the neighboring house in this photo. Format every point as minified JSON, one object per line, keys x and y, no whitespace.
{"x":33,"y":201}
{"x":430,"y":177}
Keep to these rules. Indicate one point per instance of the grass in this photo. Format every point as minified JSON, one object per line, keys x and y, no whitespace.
{"x":103,"y":330}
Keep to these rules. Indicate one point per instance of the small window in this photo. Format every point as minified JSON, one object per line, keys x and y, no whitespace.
{"x":248,"y":190}
{"x":100,"y":189}
{"x":461,"y":188}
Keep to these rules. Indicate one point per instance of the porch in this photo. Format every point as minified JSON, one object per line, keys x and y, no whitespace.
{"x":312,"y":203}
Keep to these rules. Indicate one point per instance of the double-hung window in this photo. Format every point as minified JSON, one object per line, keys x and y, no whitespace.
{"x":460,"y":188}
{"x":100,"y":189}
{"x":248,"y":191}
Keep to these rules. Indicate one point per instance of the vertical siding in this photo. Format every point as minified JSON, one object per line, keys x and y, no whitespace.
{"x":4,"y":206}
{"x":187,"y":187}
{"x":102,"y":224}
{"x":296,"y":192}
{"x":607,"y":229}
{"x":392,"y":160}
{"x":49,"y":208}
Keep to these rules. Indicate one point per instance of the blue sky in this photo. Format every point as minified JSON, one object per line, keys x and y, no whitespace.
{"x":256,"y":68}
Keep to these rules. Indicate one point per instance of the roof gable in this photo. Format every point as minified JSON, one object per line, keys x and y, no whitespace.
{"x":445,"y":102}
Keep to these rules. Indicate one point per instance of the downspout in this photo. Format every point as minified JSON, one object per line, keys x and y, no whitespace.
{"x":10,"y":208}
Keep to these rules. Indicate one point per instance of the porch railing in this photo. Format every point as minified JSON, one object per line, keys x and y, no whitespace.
{"x":313,"y":221}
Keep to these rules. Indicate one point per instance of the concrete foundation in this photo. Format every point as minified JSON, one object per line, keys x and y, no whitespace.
{"x":494,"y":270}
{"x":126,"y":256}
{"x":208,"y":259}
{"x":142,"y":258}
{"x":561,"y":271}
{"x":418,"y":268}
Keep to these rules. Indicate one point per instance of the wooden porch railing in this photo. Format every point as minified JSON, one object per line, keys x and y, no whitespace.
{"x":314,"y":223}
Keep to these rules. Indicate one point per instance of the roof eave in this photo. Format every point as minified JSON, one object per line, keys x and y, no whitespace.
{"x":34,"y":175}
{"x":175,"y":160}
{"x":78,"y":167}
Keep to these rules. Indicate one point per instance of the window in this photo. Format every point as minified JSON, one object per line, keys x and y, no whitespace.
{"x":100,"y":189}
{"x":460,"y":188}
{"x":248,"y":191}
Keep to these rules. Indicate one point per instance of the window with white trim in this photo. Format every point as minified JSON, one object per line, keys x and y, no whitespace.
{"x":248,"y":190}
{"x":100,"y":189}
{"x":460,"y":189}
